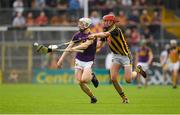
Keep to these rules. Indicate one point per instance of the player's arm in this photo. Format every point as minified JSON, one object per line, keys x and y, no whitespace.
{"x":83,"y":45}
{"x":61,"y":59}
{"x":150,"y":56}
{"x":99,"y":35}
{"x":101,"y":42}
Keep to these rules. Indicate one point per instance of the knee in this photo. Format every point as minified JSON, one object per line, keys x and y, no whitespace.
{"x":80,"y":81}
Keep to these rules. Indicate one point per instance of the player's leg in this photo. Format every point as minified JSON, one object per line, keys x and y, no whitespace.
{"x":87,"y":90}
{"x":164,"y":70}
{"x":145,"y":67}
{"x":174,"y":78}
{"x":86,"y":77}
{"x":128,"y":74}
{"x":175,"y":74}
{"x":78,"y":76}
{"x":140,"y":71}
{"x":79,"y":70}
{"x":131,"y":75}
{"x":83,"y":85}
{"x":114,"y":71}
{"x":94,"y":80}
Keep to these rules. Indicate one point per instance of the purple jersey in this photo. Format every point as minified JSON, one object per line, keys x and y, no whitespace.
{"x":89,"y":53}
{"x":143,"y":54}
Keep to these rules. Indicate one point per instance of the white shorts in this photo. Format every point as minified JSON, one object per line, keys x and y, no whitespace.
{"x":144,"y":65}
{"x":119,"y":59}
{"x":82,"y":64}
{"x":173,"y":66}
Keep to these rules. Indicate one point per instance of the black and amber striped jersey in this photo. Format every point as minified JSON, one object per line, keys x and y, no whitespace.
{"x":117,"y":42}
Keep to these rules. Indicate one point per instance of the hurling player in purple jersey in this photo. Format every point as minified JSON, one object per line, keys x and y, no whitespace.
{"x":144,"y":58}
{"x":83,"y":61}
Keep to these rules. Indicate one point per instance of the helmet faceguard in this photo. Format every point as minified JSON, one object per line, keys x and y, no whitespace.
{"x":108,"y":20}
{"x":84,"y":23}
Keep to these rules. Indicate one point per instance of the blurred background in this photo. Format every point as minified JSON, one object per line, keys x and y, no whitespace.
{"x":23,"y":22}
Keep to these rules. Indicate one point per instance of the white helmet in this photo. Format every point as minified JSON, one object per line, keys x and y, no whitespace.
{"x":173,"y":42}
{"x":84,"y":23}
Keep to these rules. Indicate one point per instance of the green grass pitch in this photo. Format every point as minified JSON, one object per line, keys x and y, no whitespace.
{"x":33,"y":98}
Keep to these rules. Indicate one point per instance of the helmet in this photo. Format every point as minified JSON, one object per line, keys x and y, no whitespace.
{"x":173,"y":42}
{"x":109,"y":20}
{"x":109,"y":17}
{"x":84,"y":23}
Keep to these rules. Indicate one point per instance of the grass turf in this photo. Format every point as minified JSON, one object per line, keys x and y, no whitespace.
{"x":33,"y":98}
